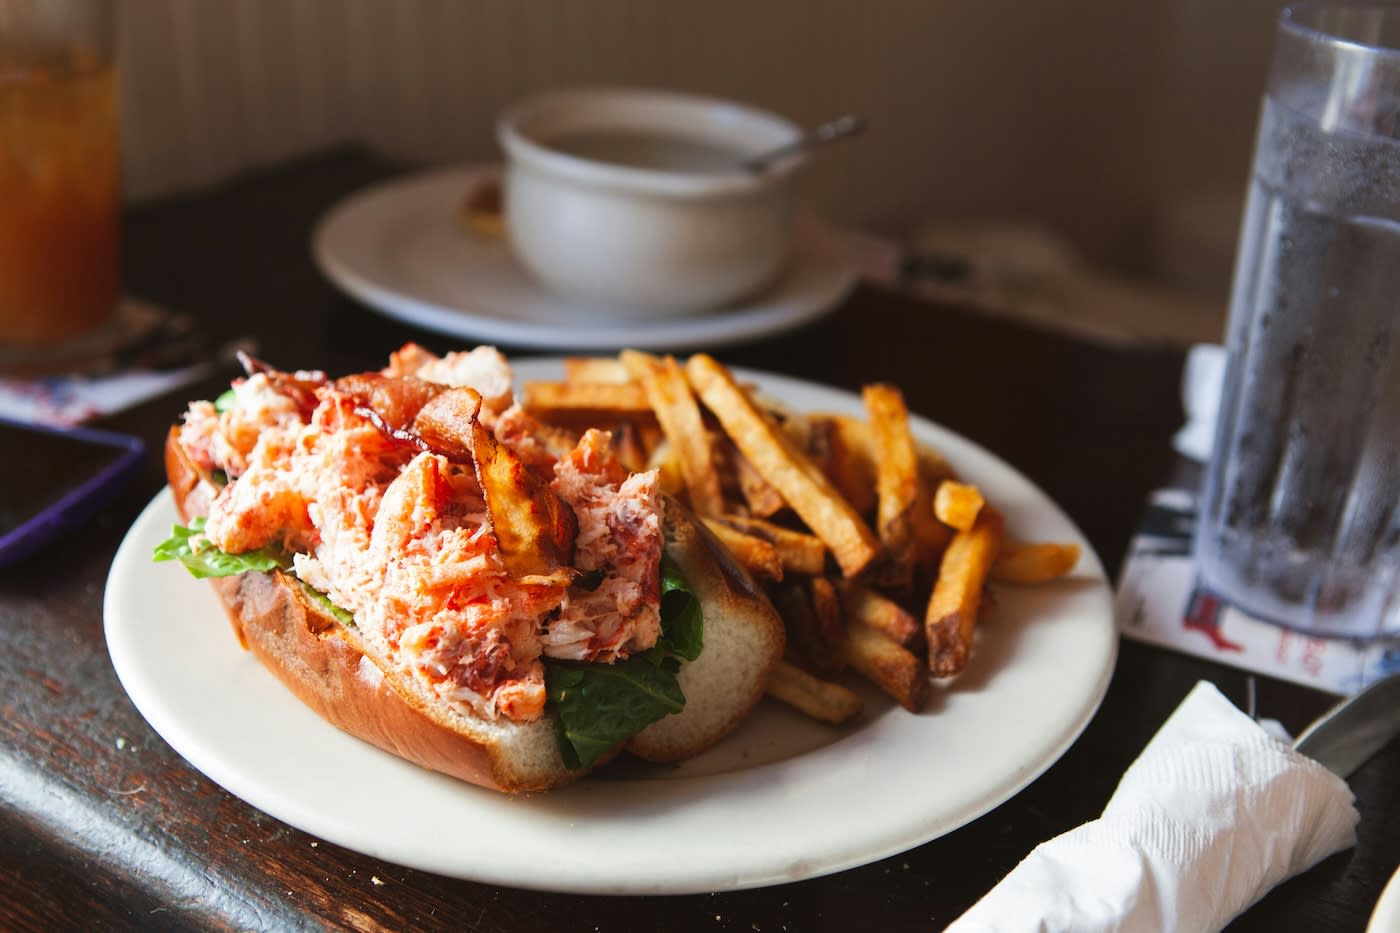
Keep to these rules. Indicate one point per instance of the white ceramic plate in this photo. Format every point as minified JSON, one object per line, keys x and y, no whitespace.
{"x":400,"y":247}
{"x":780,"y":800}
{"x":1386,"y":917}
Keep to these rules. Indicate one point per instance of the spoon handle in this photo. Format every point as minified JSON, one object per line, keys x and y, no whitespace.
{"x":848,"y":125}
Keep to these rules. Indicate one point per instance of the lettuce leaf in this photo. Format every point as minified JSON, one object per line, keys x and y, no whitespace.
{"x":599,"y":705}
{"x":596,"y":706}
{"x":682,"y":625}
{"x":202,"y":559}
{"x":343,"y":616}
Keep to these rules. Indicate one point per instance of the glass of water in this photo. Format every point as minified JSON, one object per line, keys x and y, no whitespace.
{"x":1299,"y":522}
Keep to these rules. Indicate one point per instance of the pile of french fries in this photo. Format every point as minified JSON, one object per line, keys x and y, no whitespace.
{"x":874,"y":551}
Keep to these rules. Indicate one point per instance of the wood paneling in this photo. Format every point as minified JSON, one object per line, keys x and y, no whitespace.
{"x":1083,"y":114}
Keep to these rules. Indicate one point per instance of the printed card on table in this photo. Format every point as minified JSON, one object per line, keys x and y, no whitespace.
{"x":1160,"y":601}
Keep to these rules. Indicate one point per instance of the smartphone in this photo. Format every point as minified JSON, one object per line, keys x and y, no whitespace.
{"x":54,"y":479}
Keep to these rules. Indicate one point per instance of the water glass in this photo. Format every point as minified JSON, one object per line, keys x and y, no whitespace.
{"x":1298,"y":522}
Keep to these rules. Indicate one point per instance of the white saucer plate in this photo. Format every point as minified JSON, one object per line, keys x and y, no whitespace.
{"x":400,"y":247}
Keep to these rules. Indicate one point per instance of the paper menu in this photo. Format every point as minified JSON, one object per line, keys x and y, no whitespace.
{"x":1160,"y":601}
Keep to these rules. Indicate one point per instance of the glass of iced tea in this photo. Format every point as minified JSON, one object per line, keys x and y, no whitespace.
{"x":59,"y":176}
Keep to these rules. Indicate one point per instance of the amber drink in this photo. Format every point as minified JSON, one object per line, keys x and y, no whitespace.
{"x":59,"y":174}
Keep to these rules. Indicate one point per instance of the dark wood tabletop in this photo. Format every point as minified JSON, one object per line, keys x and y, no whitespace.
{"x":106,"y":827}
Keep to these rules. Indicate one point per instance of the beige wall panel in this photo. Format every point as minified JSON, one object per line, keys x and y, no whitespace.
{"x":1094,"y":117}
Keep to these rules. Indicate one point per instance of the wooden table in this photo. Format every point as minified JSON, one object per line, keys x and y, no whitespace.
{"x":105,"y":826}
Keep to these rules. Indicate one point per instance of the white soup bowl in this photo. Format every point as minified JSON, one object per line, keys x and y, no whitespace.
{"x":636,"y":202}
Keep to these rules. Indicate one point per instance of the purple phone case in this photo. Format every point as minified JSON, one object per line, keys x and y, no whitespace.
{"x":82,"y":501}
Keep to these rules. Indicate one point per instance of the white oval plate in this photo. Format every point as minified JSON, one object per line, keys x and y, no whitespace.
{"x":400,"y":247}
{"x":782,"y":799}
{"x":1386,"y":917}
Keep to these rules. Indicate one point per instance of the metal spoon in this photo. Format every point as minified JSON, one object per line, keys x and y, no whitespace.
{"x":843,"y":126}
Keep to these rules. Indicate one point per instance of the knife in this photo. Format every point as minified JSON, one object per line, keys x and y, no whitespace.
{"x":1346,"y":736}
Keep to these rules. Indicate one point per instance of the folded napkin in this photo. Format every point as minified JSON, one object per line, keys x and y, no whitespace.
{"x":1201,"y":381}
{"x":1212,"y":814}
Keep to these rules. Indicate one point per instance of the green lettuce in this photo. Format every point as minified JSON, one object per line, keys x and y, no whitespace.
{"x":682,"y":625}
{"x":189,"y":546}
{"x":342,"y":616}
{"x":202,"y":559}
{"x":596,"y":706}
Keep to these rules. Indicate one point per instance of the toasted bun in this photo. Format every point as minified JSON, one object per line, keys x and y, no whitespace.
{"x":335,"y":673}
{"x":744,"y":639}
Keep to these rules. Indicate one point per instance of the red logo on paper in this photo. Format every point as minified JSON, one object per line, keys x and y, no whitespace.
{"x":1203,"y":615}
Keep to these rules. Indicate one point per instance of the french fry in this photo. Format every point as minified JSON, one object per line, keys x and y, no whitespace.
{"x":798,"y":551}
{"x":758,"y":556}
{"x":841,"y":448}
{"x":957,"y":504}
{"x":762,"y":499}
{"x":1034,"y":562}
{"x":662,"y":459}
{"x":865,"y":605}
{"x":813,"y":641}
{"x":896,"y":479}
{"x":594,"y":402}
{"x":831,"y":618}
{"x":830,"y":470}
{"x":953,"y":606}
{"x":805,"y":488}
{"x":668,"y":393}
{"x":649,"y":433}
{"x":555,"y":440}
{"x":630,"y":446}
{"x":896,"y":670}
{"x":820,"y":699}
{"x":595,"y":369}
{"x":904,"y":518}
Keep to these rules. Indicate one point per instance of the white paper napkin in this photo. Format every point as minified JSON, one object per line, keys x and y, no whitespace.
{"x":1212,"y":814}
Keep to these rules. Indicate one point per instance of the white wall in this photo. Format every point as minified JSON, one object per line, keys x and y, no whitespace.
{"x":1095,"y":117}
